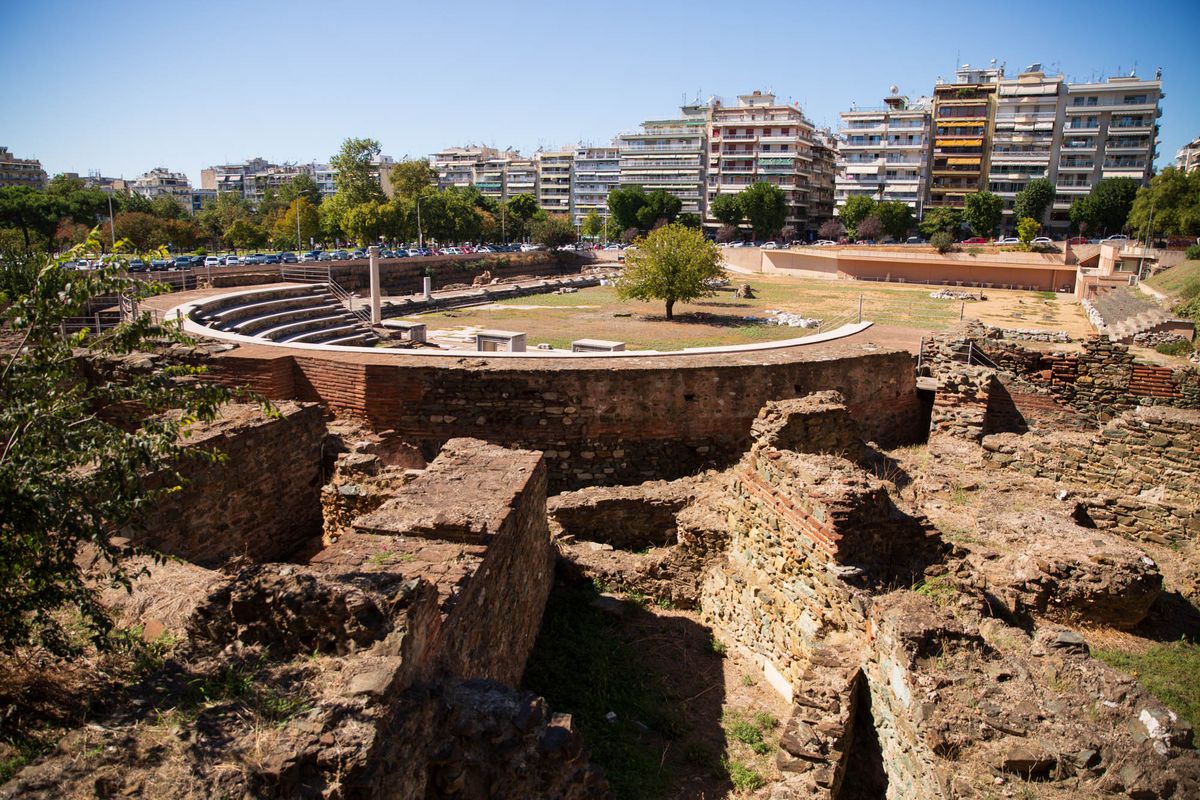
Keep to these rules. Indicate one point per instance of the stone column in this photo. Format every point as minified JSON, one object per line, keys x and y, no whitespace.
{"x":428,"y":288}
{"x":376,"y":317}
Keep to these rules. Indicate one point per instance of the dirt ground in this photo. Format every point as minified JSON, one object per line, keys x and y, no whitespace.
{"x":725,"y":320}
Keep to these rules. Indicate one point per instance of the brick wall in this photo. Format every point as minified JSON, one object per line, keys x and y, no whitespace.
{"x":597,"y":421}
{"x":261,"y":501}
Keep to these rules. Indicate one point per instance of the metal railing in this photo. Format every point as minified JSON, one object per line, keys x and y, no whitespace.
{"x":323,"y":276}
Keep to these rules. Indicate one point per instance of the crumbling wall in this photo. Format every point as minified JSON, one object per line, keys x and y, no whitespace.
{"x":261,"y":500}
{"x":1136,"y":476}
{"x":960,"y":405}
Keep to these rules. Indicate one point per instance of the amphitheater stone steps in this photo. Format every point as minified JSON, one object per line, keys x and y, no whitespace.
{"x":308,"y":314}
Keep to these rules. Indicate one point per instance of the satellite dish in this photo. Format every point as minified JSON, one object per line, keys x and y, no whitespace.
{"x":894,"y":89}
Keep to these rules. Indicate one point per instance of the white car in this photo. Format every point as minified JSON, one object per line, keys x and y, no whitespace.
{"x":1116,"y":237}
{"x":824,"y":243}
{"x":231,"y":261}
{"x":1042,"y":240}
{"x":529,"y":248}
{"x":770,"y":246}
{"x":212,"y":261}
{"x":1008,"y":240}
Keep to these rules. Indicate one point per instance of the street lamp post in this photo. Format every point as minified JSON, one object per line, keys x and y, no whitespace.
{"x":420,"y":235}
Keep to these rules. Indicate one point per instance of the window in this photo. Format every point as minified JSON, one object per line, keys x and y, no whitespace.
{"x":1135,"y":99}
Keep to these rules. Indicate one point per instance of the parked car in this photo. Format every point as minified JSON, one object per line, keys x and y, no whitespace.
{"x":770,"y":246}
{"x":1116,"y":237}
{"x":182,"y":262}
{"x":359,"y":253}
{"x":232,"y":261}
{"x":1077,"y":240}
{"x":915,"y":240}
{"x":212,"y":261}
{"x":1008,"y":240}
{"x":1042,"y":240}
{"x":270,"y":258}
{"x":311,"y":255}
{"x":824,"y":243}
{"x":137,"y":265}
{"x":340,"y":255}
{"x":975,"y":240}
{"x":323,"y":256}
{"x":159,"y":264}
{"x":288,"y":258}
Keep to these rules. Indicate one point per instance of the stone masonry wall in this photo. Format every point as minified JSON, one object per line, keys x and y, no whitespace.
{"x":597,"y":421}
{"x":1142,"y":468}
{"x":960,"y":406}
{"x":261,"y":501}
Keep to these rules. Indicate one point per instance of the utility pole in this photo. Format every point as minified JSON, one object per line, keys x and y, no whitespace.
{"x":112,"y":225}
{"x":299,"y":245}
{"x":420,"y":236}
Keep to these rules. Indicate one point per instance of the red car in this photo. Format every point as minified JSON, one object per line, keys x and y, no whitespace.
{"x":1077,"y":240}
{"x":975,"y":240}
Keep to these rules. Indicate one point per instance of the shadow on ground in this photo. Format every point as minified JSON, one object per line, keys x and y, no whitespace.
{"x":646,"y":690}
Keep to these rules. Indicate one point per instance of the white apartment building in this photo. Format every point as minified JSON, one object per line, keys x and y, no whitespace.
{"x":1027,"y":134}
{"x":597,"y":172}
{"x":1110,"y":130}
{"x":521,"y":177}
{"x":161,"y":181}
{"x":760,"y":140}
{"x":669,"y":155}
{"x":1187,"y":158}
{"x":21,"y":171}
{"x":554,"y":180}
{"x":489,"y":176}
{"x":455,"y":166}
{"x":884,"y":152}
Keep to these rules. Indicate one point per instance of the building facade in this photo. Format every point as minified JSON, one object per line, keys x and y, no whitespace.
{"x":822,"y":189}
{"x":1027,"y":134}
{"x":760,"y":140}
{"x":554,"y":181}
{"x":21,"y":171}
{"x":597,"y":172}
{"x":885,"y":152}
{"x":521,"y":177}
{"x":1187,"y":158}
{"x":963,"y":115}
{"x":161,"y":181}
{"x":670,"y":155}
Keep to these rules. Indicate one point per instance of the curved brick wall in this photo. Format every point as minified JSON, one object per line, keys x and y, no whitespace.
{"x":598,"y":421}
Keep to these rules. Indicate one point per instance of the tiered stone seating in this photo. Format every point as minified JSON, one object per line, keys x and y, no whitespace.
{"x":1125,"y":314}
{"x":308,"y":314}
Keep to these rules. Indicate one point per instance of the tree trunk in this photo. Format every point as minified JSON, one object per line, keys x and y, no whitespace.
{"x":670,"y":306}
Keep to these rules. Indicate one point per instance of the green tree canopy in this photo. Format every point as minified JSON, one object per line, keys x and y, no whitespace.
{"x":244,"y":234}
{"x":690,"y":220}
{"x":304,"y":212}
{"x":983,"y":212}
{"x":672,"y":264}
{"x":857,"y":208}
{"x":592,"y":225}
{"x":765,"y":207}
{"x":896,"y":217}
{"x":412,"y":176}
{"x":353,"y":175}
{"x":1105,"y":210}
{"x":624,"y":204}
{"x":300,"y":186}
{"x":553,"y":230}
{"x":948,"y":220}
{"x":1033,"y":200}
{"x":72,"y":470}
{"x":1027,"y":228}
{"x":661,"y":206}
{"x":1173,"y":201}
{"x":726,"y":209}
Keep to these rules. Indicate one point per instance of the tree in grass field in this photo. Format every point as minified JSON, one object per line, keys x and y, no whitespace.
{"x":673,"y":264}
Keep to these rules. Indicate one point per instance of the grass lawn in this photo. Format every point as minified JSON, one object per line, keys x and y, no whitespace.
{"x":597,"y":313}
{"x":1182,"y":282}
{"x":1170,"y":672}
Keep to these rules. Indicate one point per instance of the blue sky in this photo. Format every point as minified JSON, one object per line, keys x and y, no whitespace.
{"x":126,"y":86}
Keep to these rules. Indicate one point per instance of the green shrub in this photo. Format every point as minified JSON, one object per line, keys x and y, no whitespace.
{"x":744,"y":732}
{"x":743,"y":778}
{"x":1193,"y":252}
{"x":1170,"y":672}
{"x":942,"y":241}
{"x":1180,"y":347}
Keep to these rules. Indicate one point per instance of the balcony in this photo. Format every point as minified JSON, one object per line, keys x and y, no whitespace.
{"x":737,"y":137}
{"x":1077,"y":165}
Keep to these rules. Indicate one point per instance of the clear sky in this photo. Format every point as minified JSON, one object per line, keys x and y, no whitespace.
{"x":123,"y":86}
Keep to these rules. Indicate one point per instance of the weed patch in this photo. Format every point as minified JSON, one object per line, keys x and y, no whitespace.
{"x":1170,"y":672}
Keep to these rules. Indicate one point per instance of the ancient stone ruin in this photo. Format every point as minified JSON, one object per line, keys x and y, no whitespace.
{"x":357,"y":588}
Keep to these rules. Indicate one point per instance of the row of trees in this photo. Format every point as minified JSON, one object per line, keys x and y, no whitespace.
{"x":763,"y":205}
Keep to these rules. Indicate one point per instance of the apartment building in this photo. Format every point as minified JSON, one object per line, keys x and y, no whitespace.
{"x":1027,"y":134}
{"x":597,"y":172}
{"x":885,"y":151}
{"x":669,"y":155}
{"x":21,"y":171}
{"x":161,"y":181}
{"x":521,"y":177}
{"x":963,"y":115}
{"x":455,"y":166}
{"x":232,"y":177}
{"x":761,"y":140}
{"x":1187,"y":158}
{"x":489,"y":176}
{"x":823,"y":184}
{"x":1110,"y":130}
{"x":554,"y":180}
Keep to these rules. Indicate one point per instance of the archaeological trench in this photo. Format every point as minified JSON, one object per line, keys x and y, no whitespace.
{"x":916,"y":572}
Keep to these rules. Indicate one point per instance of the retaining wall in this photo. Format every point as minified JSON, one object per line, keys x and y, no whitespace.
{"x":598,"y":421}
